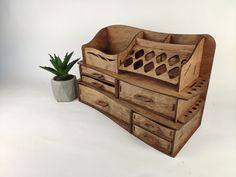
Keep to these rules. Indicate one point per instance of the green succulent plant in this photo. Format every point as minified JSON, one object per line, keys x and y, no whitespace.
{"x":61,"y":68}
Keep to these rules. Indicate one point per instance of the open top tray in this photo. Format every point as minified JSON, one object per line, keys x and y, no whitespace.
{"x":176,"y":59}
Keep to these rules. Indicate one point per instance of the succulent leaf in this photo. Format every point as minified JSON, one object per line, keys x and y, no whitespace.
{"x":70,"y":65}
{"x":61,"y":67}
{"x":67,"y":59}
{"x":50,"y":70}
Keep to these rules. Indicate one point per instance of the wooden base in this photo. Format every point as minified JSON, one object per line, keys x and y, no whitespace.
{"x":166,"y":139}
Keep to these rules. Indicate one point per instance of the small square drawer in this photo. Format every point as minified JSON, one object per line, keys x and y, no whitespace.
{"x":151,"y":139}
{"x":96,"y":74}
{"x":104,"y":103}
{"x":153,"y":127}
{"x":154,"y":101}
{"x":98,"y":84}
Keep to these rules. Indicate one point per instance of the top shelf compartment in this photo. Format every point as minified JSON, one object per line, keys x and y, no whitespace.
{"x":172,"y":58}
{"x":108,"y":46}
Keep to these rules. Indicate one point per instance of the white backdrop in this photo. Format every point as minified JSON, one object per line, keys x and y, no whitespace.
{"x":30,"y":29}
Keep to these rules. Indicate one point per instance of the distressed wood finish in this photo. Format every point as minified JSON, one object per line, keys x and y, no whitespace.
{"x":97,"y":75}
{"x":98,"y":84}
{"x":158,"y":60}
{"x":183,"y":106}
{"x":172,"y":58}
{"x":104,"y":103}
{"x":152,"y":84}
{"x":135,"y":108}
{"x":190,"y":71}
{"x":151,"y":139}
{"x":197,"y":88}
{"x":191,"y":111}
{"x":97,"y":58}
{"x":182,"y":135}
{"x":109,"y":44}
{"x":154,"y":101}
{"x":153,"y":127}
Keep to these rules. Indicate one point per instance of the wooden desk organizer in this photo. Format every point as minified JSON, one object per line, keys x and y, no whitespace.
{"x":152,"y":84}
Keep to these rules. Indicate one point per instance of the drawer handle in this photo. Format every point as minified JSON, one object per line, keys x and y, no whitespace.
{"x":148,"y":125}
{"x":142,"y":98}
{"x":151,"y":126}
{"x":102,"y":103}
{"x":97,"y":75}
{"x":97,"y":85}
{"x":147,"y":137}
{"x":158,"y":129}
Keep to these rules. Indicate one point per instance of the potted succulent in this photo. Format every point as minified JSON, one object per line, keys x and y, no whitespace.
{"x":63,"y":84}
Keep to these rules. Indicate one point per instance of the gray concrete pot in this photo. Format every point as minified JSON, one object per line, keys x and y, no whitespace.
{"x":64,"y":91}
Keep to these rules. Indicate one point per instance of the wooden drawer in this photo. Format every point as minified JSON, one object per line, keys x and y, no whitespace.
{"x":104,"y":103}
{"x":153,"y":127}
{"x":152,"y":139}
{"x":98,"y":84}
{"x":154,"y":101}
{"x":96,"y":74}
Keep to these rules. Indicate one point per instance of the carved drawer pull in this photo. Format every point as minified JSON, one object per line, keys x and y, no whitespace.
{"x":97,"y":85}
{"x":157,"y":143}
{"x":97,"y":75}
{"x":102,"y":103}
{"x":159,"y":130}
{"x":149,"y":125}
{"x":142,"y":98}
{"x":148,"y":137}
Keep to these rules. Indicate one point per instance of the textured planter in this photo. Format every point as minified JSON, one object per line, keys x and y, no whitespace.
{"x":64,"y":91}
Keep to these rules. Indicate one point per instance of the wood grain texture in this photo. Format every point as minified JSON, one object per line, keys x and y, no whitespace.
{"x":154,"y":101}
{"x":191,"y":111}
{"x":97,"y":75}
{"x":168,"y":137}
{"x":176,"y":55}
{"x":151,"y":139}
{"x":152,"y":84}
{"x":97,"y":58}
{"x":190,"y":71}
{"x":114,"y":44}
{"x":104,"y":103}
{"x":182,"y":135}
{"x":153,"y":127}
{"x":98,"y":84}
{"x":183,"y":106}
{"x":138,"y":109}
{"x":155,"y":85}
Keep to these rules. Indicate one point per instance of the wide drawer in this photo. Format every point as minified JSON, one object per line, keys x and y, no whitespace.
{"x":98,"y":84}
{"x":104,"y":103}
{"x":154,"y":101}
{"x":151,"y":139}
{"x":153,"y":127}
{"x":96,"y":74}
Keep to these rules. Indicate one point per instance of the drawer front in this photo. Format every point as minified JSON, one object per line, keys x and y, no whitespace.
{"x":98,"y":84}
{"x":160,"y":103}
{"x":153,"y":127}
{"x":152,"y":139}
{"x":96,"y":74}
{"x":104,"y":103}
